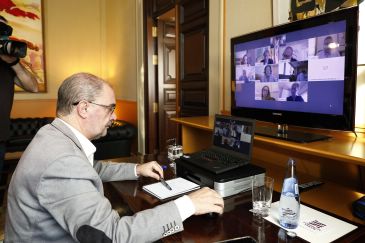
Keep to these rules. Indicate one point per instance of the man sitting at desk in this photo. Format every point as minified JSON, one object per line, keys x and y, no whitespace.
{"x":56,"y":192}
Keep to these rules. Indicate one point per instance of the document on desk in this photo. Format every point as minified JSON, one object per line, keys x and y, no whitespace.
{"x":178,"y":185}
{"x":314,"y":226}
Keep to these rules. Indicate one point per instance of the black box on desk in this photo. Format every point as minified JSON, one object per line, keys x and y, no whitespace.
{"x":226,"y":184}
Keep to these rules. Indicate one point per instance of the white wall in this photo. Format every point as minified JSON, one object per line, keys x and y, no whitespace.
{"x":215,"y":55}
{"x":243,"y":17}
{"x":236,"y":17}
{"x":121,"y":47}
{"x":94,"y":36}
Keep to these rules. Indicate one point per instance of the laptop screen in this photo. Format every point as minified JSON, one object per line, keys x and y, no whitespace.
{"x":234,"y":134}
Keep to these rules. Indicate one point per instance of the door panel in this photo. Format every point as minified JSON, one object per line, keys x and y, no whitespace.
{"x":194,"y":103}
{"x":194,"y":83}
{"x":192,"y":10}
{"x":161,"y":6}
{"x":166,"y":82}
{"x":194,"y":65}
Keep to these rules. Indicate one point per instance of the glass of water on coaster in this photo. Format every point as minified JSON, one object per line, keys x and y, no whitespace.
{"x":262,"y":189}
{"x":174,"y":152}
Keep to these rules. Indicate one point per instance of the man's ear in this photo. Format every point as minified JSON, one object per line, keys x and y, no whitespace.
{"x":82,"y":109}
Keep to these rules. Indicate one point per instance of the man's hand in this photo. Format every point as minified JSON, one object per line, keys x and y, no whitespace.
{"x":150,"y":169}
{"x":207,"y":200}
{"x":8,"y":59}
{"x":24,"y":78}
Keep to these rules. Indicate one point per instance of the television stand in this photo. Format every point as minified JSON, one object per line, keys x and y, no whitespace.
{"x":289,"y":135}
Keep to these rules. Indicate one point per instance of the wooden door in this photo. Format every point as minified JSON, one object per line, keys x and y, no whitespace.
{"x":162,"y":6}
{"x":166,"y":79}
{"x":194,"y":59}
{"x":190,"y":97}
{"x":150,"y":77}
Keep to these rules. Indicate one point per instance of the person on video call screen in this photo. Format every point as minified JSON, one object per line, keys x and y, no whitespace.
{"x":294,"y":96}
{"x":329,"y":48}
{"x":268,"y":76}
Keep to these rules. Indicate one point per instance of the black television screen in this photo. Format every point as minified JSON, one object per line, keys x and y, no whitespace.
{"x":301,"y":73}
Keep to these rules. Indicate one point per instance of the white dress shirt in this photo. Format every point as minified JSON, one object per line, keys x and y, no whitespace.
{"x":87,"y":146}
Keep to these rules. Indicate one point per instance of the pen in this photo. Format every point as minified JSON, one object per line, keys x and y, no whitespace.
{"x":165,"y":184}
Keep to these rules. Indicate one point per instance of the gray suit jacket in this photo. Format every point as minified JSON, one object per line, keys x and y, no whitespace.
{"x":55,"y":195}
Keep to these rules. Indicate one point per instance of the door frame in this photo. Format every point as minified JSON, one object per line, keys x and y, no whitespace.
{"x":151,"y":117}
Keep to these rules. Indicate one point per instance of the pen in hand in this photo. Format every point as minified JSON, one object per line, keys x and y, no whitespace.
{"x":165,"y":184}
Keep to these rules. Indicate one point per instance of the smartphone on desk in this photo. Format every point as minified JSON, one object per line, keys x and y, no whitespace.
{"x":243,"y":239}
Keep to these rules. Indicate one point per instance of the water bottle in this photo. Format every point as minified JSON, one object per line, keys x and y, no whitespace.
{"x":289,"y":205}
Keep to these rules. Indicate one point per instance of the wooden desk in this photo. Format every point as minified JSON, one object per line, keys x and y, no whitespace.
{"x":236,"y":220}
{"x":345,"y":148}
{"x":339,"y":162}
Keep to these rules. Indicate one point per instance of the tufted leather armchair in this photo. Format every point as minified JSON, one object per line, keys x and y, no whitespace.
{"x":117,"y":142}
{"x":22,"y":131}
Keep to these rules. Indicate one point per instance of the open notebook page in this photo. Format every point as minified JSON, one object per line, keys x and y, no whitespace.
{"x":178,"y":185}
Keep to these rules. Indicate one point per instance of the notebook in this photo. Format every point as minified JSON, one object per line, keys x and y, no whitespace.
{"x":231,"y":146}
{"x":178,"y":185}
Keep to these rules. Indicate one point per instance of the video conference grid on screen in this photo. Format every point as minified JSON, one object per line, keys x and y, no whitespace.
{"x":233,"y":135}
{"x":301,"y":71}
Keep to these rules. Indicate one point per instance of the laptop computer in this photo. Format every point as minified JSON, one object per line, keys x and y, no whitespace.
{"x":231,"y":146}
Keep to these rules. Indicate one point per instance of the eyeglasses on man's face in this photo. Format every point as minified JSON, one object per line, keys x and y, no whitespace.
{"x":111,"y":107}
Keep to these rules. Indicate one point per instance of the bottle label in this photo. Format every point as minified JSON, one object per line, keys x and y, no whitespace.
{"x":289,"y":185}
{"x":296,"y":189}
{"x":288,"y":211}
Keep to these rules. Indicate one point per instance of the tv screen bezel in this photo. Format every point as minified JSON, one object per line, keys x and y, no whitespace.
{"x":346,"y":121}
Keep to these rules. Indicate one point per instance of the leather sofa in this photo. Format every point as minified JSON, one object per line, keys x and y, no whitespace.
{"x":117,"y":142}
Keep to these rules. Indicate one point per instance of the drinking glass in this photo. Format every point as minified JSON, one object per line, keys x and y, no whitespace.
{"x":174,"y":152}
{"x":262,"y":188}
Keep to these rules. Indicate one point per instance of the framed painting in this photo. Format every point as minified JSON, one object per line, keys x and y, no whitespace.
{"x":280,"y":11}
{"x":289,"y":10}
{"x":26,"y":19}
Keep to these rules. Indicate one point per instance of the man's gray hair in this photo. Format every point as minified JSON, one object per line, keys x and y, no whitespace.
{"x":76,"y":88}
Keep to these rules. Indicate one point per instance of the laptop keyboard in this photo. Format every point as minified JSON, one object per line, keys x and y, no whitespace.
{"x":216,"y":162}
{"x":224,"y":158}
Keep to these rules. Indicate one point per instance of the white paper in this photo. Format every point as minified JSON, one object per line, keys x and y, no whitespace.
{"x":314,"y":226}
{"x":178,"y":185}
{"x":326,"y":69}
